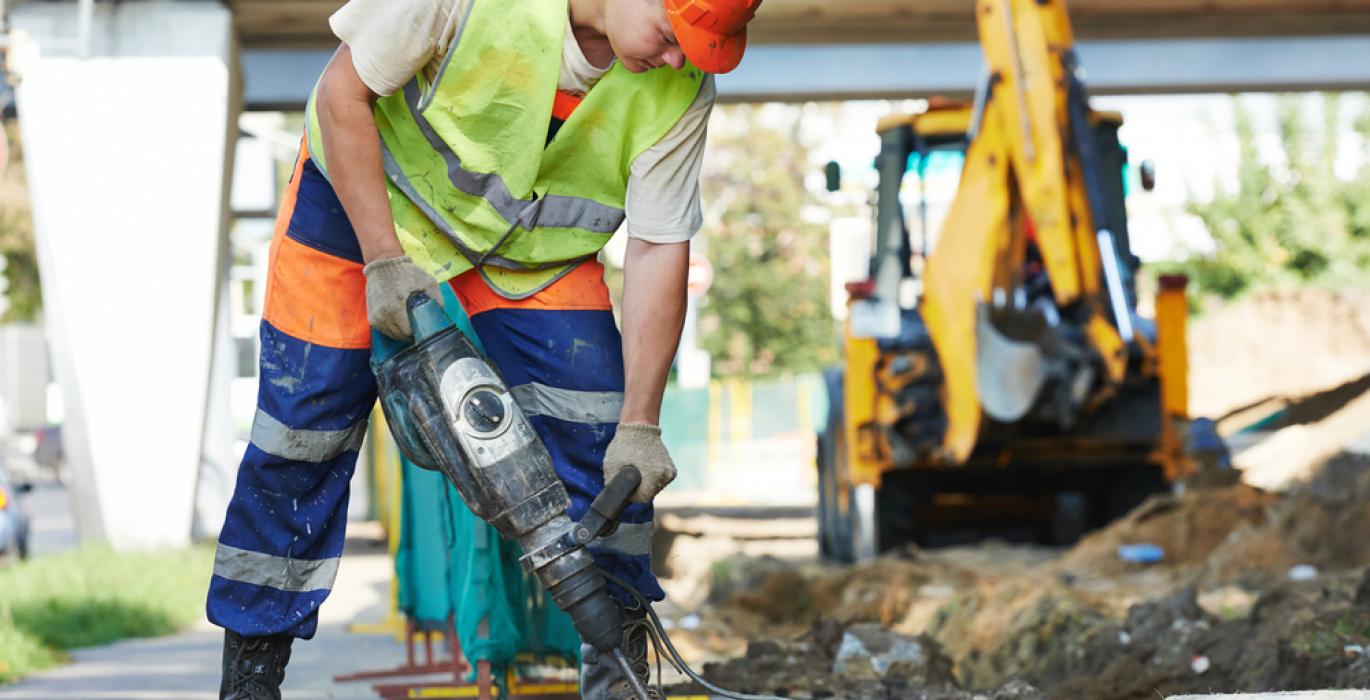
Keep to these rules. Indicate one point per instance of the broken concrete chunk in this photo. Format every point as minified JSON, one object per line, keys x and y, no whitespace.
{"x":870,"y":652}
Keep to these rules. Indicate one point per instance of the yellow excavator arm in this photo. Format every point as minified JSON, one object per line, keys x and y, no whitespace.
{"x":1019,"y":177}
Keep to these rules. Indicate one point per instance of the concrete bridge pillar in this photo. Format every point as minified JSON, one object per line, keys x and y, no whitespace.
{"x":128,"y":151}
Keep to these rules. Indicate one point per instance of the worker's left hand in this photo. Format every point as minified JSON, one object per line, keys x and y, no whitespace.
{"x":639,"y":445}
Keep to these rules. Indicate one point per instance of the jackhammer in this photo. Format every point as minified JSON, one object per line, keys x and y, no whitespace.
{"x":450,"y":411}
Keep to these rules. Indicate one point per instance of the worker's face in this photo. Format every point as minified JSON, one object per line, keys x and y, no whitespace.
{"x":641,"y":36}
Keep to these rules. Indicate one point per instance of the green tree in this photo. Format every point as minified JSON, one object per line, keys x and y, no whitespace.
{"x":16,"y":236}
{"x":767,"y":311}
{"x":1290,"y":220}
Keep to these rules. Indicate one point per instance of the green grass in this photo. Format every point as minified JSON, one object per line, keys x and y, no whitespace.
{"x":94,"y":596}
{"x":1327,"y":637}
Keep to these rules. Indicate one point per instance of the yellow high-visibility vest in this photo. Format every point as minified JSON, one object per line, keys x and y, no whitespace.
{"x":472,"y":179}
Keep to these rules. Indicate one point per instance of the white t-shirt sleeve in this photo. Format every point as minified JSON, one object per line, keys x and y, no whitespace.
{"x":663,"y":184}
{"x":392,"y":40}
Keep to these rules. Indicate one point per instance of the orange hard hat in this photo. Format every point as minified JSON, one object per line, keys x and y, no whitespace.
{"x":712,"y":33}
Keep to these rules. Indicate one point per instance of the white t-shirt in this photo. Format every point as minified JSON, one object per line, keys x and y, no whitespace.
{"x":663,"y":184}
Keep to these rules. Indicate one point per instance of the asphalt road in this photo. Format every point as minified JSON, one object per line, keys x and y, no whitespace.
{"x":52,"y":528}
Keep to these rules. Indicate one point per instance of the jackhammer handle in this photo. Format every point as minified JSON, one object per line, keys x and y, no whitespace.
{"x":425,"y":319}
{"x":608,"y":505}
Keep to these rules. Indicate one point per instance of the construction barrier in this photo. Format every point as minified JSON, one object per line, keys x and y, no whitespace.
{"x":738,"y":443}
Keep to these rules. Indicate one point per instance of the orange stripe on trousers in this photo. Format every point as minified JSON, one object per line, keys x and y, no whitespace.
{"x":564,"y":104}
{"x":311,"y":295}
{"x":581,"y":289}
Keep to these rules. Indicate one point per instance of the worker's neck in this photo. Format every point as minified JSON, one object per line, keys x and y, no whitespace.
{"x":587,"y":24}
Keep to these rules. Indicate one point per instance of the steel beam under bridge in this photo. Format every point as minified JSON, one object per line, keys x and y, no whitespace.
{"x":281,"y":79}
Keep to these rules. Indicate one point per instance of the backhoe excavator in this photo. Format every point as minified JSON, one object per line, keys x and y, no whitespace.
{"x":997,"y":375}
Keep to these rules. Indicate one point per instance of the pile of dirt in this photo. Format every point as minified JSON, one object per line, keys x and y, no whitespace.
{"x":1017,"y":639}
{"x":1010,"y":628}
{"x":881,"y":593}
{"x":1240,"y":534}
{"x":1324,"y":524}
{"x":1310,"y":634}
{"x":1084,"y":624}
{"x":1278,"y":343}
{"x":1188,"y":528}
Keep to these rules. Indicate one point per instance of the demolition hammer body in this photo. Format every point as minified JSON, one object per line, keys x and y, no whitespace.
{"x":449,"y":410}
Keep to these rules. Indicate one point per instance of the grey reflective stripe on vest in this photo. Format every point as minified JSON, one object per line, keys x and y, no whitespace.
{"x":568,"y":405}
{"x":451,"y":51}
{"x":281,"y":573}
{"x":275,"y":438}
{"x":630,"y":539}
{"x":401,"y":181}
{"x":558,"y":211}
{"x":524,"y":295}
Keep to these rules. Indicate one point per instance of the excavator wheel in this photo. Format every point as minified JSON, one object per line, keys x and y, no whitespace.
{"x":834,"y":517}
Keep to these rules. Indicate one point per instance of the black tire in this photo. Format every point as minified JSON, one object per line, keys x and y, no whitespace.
{"x":897,"y":504}
{"x":834,"y":521}
{"x":1123,"y":489}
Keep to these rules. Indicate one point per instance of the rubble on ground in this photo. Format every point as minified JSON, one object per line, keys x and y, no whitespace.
{"x":1253,"y":590}
{"x":856,"y":662}
{"x":1256,"y":592}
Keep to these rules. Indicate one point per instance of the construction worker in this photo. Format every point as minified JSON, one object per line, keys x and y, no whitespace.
{"x":494,"y":146}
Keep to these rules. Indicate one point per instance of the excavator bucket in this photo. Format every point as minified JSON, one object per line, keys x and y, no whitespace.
{"x":1009,"y":373}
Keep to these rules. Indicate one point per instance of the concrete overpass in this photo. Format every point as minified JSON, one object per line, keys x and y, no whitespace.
{"x":838,"y":49}
{"x":303,"y":23}
{"x":831,"y":49}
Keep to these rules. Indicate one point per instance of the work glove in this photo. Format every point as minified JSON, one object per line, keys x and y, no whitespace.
{"x":639,"y":445}
{"x":389,"y":284}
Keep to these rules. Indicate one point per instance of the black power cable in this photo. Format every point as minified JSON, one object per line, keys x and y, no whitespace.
{"x":660,"y":639}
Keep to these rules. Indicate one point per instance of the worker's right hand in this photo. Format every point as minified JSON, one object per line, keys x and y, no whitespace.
{"x":640,"y":445}
{"x":389,"y":284}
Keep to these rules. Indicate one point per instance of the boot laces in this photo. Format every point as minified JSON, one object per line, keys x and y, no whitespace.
{"x":254,"y":680}
{"x":637,"y":653}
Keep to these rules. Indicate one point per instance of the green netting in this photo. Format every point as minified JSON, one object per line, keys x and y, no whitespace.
{"x":422,"y":559}
{"x":779,"y":403}
{"x":683,"y":413}
{"x":449,"y":562}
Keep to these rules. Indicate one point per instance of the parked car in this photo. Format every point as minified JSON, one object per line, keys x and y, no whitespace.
{"x":14,"y":522}
{"x":48,"y":451}
{"x":47,"y":447}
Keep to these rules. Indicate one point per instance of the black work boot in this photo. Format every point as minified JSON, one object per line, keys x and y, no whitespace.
{"x":600,"y":677}
{"x":254,"y":666}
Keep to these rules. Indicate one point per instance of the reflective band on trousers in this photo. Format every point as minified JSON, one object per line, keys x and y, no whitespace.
{"x":281,"y":573}
{"x":558,"y":211}
{"x":275,"y":438}
{"x":569,"y":405}
{"x":630,"y":539}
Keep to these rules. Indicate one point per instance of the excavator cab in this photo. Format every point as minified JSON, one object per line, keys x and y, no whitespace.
{"x":936,"y":141}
